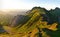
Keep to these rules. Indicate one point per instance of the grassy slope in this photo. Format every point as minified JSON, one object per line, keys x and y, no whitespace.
{"x":33,"y":27}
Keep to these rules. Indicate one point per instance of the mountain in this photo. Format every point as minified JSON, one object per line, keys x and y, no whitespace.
{"x":37,"y":22}
{"x":19,"y":19}
{"x":54,"y":13}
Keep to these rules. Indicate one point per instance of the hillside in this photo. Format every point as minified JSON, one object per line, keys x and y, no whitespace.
{"x":37,"y":22}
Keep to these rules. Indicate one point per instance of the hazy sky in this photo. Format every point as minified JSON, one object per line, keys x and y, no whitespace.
{"x":28,"y":4}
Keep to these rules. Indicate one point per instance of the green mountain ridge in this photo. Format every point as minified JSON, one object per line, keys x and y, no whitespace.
{"x":38,"y":22}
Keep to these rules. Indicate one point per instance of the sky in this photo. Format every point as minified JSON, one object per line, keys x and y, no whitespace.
{"x":28,"y":4}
